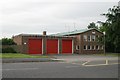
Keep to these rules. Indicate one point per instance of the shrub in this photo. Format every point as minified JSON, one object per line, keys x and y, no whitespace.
{"x":7,"y":41}
{"x":8,"y":50}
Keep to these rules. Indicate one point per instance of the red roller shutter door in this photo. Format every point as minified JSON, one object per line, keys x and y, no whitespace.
{"x":52,"y":46}
{"x":35,"y":46}
{"x":66,"y":46}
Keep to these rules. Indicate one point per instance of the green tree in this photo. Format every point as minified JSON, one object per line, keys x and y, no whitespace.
{"x":112,"y":28}
{"x":92,"y":25}
{"x":7,"y":41}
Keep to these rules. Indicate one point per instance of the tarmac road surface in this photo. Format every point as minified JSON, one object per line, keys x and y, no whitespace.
{"x":57,"y":70}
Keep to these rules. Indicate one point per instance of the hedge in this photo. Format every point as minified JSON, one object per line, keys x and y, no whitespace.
{"x":8,"y":50}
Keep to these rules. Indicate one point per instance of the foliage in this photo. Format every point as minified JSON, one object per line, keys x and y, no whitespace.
{"x":7,"y":41}
{"x":8,"y":50}
{"x":112,"y":28}
{"x":92,"y":25}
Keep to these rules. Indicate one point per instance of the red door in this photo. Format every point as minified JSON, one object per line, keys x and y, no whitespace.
{"x":35,"y":46}
{"x":52,"y":46}
{"x":66,"y":46}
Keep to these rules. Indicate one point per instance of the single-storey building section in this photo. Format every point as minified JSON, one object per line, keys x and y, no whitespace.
{"x":83,"y":41}
{"x":43,"y":44}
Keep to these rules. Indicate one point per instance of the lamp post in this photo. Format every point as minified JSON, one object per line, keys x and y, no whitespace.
{"x":104,"y":42}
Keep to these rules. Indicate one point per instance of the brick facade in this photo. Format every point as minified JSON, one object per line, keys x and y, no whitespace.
{"x":80,"y":45}
{"x":22,"y":40}
{"x":80,"y":42}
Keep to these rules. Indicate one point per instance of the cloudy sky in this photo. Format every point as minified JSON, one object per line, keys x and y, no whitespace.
{"x":53,"y":16}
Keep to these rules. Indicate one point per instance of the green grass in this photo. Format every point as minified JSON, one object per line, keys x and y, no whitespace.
{"x":109,"y":54}
{"x":19,"y":55}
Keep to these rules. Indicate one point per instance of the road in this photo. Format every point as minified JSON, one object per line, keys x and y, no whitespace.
{"x":58,"y":70}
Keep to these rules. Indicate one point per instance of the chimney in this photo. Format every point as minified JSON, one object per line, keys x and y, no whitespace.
{"x":44,"y":33}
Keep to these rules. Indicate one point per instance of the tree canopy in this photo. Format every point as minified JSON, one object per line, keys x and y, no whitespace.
{"x":112,"y":28}
{"x":92,"y":25}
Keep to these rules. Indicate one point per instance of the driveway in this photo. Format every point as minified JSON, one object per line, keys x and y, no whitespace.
{"x":77,"y":57}
{"x":88,"y":59}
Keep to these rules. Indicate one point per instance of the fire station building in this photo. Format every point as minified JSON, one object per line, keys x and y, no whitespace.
{"x":83,"y":41}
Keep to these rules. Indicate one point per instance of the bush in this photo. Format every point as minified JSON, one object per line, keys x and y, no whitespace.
{"x":7,"y":41}
{"x":8,"y":50}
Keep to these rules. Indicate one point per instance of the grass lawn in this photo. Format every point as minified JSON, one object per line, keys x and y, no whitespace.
{"x":109,"y":54}
{"x":19,"y":55}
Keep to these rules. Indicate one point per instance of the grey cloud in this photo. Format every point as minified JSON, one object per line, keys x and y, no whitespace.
{"x":35,"y":16}
{"x":83,"y":9}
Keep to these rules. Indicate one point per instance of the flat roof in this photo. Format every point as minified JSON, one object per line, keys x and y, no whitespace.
{"x":38,"y":35}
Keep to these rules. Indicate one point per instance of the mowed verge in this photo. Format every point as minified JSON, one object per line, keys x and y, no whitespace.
{"x":20,"y":55}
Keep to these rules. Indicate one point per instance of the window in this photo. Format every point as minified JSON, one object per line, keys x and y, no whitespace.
{"x":85,"y":37}
{"x":89,"y":38}
{"x":93,"y":37}
{"x":97,"y":38}
{"x":89,"y":47}
{"x":97,"y":47}
{"x":93,"y":47}
{"x":77,"y":47}
{"x":101,"y":47}
{"x":85,"y":47}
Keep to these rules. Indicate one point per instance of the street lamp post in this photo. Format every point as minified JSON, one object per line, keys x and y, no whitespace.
{"x":104,"y":42}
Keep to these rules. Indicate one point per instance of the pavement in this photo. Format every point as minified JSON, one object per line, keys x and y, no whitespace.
{"x":89,"y":60}
{"x":77,"y":57}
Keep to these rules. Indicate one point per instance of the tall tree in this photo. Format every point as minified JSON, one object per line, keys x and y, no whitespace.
{"x":112,"y":28}
{"x":92,"y":25}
